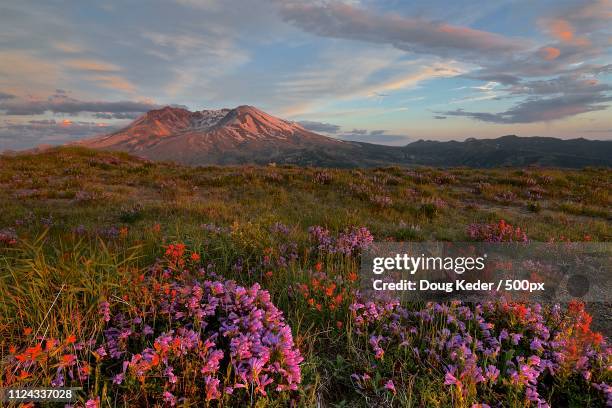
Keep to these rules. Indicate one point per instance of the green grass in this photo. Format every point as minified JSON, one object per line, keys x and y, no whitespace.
{"x":161,"y":203}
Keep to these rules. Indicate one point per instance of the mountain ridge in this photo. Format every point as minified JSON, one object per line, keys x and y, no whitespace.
{"x":247,"y":135}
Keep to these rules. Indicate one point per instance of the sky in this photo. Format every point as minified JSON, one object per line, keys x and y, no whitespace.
{"x":386,"y":71}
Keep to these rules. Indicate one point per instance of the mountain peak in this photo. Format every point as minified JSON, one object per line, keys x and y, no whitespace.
{"x":167,"y":110}
{"x":211,"y":136}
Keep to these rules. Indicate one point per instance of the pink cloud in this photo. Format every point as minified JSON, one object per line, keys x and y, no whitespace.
{"x":549,"y":53}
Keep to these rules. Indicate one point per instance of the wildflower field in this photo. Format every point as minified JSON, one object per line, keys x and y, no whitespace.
{"x":153,"y":284}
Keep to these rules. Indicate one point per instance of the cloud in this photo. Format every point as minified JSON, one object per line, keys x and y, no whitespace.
{"x":319,"y":126}
{"x":91,"y":65}
{"x":540,"y":109}
{"x":357,"y":135}
{"x":560,"y":29}
{"x":66,"y":47}
{"x":356,"y":73}
{"x":506,"y":63}
{"x":562,"y":85}
{"x":439,"y":117}
{"x":118,"y":115}
{"x":202,"y":57}
{"x":501,"y":78}
{"x":340,"y":20}
{"x":557,"y":80}
{"x":25,"y":72}
{"x":4,"y":95}
{"x":114,"y":82}
{"x":598,"y":130}
{"x":200,"y":4}
{"x":374,"y":136}
{"x":549,"y":53}
{"x":72,"y":106}
{"x":17,"y":135}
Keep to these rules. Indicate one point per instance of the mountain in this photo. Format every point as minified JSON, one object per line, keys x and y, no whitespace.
{"x":512,"y":151}
{"x":229,"y":136}
{"x":247,"y":135}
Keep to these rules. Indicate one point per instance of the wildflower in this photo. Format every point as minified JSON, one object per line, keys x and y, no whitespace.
{"x":71,"y":339}
{"x":450,"y":379}
{"x":104,"y":311}
{"x":93,"y":403}
{"x":123,"y":232}
{"x":212,"y":389}
{"x":492,"y":373}
{"x":473,"y":343}
{"x":390,"y":386}
{"x":240,"y":332}
{"x":27,"y":331}
{"x":8,"y":237}
{"x":118,"y":378}
{"x":498,"y":232}
{"x":23,"y":374}
{"x":30,"y":354}
{"x":516,"y":337}
{"x":536,"y":345}
{"x":169,"y":398}
{"x":195,"y":257}
{"x":68,"y":359}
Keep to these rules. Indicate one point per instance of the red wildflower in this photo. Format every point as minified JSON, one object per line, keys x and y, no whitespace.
{"x":123,"y":231}
{"x":31,"y":353}
{"x":23,"y":375}
{"x":68,"y":359}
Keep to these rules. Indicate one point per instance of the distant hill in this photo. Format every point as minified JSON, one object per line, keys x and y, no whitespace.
{"x":512,"y":151}
{"x":247,"y":135}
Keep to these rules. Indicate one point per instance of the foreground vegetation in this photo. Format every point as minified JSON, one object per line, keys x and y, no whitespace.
{"x":109,"y":265}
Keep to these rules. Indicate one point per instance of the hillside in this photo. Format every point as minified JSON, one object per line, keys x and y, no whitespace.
{"x":88,"y":237}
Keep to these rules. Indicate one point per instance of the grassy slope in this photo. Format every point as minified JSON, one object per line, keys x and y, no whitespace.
{"x":46,"y":196}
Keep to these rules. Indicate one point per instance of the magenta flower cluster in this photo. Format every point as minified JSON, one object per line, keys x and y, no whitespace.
{"x":491,"y":346}
{"x":8,"y":236}
{"x":230,"y":339}
{"x":497,"y":232}
{"x":322,"y":177}
{"x":349,"y":242}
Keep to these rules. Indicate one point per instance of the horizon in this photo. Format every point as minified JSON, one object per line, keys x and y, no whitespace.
{"x":376,"y":72}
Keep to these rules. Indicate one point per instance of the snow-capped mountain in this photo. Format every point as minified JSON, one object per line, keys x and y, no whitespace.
{"x":225,"y":136}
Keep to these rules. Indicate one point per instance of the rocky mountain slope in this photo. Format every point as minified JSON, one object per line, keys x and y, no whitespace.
{"x":229,"y":136}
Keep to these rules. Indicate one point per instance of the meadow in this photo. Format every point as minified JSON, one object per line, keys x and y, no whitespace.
{"x":155,"y":284}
